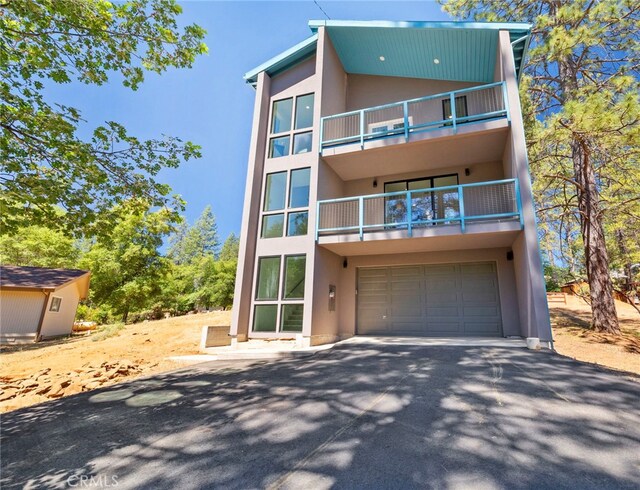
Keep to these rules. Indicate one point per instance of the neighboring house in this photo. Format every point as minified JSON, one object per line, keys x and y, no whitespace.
{"x":36,"y":302}
{"x":388,"y":189}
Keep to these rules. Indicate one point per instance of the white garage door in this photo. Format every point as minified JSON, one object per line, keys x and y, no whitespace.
{"x":429,"y":300}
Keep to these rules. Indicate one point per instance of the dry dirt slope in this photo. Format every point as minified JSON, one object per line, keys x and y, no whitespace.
{"x":38,"y":372}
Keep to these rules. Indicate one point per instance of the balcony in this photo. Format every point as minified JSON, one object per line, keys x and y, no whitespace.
{"x":483,"y":214}
{"x":423,"y":131}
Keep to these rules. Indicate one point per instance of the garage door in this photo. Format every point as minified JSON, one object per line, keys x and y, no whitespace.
{"x":429,"y":300}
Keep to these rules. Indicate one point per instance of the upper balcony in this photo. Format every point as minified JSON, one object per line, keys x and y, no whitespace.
{"x":477,"y":215}
{"x":450,"y":125}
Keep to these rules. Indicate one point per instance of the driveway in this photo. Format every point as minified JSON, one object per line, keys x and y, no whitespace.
{"x":361,"y":415}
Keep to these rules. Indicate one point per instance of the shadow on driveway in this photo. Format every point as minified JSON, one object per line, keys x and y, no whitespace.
{"x":357,"y":416}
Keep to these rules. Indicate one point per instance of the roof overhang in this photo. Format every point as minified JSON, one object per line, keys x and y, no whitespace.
{"x":462,"y":51}
{"x":83,"y":286}
{"x":360,"y":45}
{"x":284,"y":60}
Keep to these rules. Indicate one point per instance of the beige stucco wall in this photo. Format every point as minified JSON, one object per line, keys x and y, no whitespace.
{"x":61,"y":322}
{"x":534,"y":313}
{"x":20,"y":313}
{"x":368,"y":91}
{"x":505,"y":270}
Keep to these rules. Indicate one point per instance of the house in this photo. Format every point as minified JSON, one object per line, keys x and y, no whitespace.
{"x":388,"y":188}
{"x":37,"y":303}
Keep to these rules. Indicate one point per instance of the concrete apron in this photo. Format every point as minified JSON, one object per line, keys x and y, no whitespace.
{"x":438,"y":341}
{"x":262,"y":349}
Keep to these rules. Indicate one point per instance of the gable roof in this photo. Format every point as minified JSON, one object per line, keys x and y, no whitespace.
{"x":360,"y":44}
{"x":38,"y":278}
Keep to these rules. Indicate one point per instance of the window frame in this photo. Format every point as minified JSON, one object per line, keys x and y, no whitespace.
{"x":58,"y":302}
{"x":293,"y":131}
{"x":408,"y":181}
{"x":287,"y":209}
{"x":257,"y":287}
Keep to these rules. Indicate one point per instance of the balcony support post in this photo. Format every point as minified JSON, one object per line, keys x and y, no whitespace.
{"x":361,"y":216}
{"x":321,"y":136}
{"x":519,"y":203}
{"x":362,"y":129}
{"x":405,"y":108}
{"x":505,"y":101}
{"x":409,"y":215}
{"x":452,"y":103}
{"x":461,"y":205}
{"x":317,"y":220}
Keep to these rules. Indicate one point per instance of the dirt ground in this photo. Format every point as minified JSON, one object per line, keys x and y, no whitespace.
{"x":573,"y":338}
{"x":33,"y":373}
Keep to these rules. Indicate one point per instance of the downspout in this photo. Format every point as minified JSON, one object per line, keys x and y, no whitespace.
{"x":42,"y":314}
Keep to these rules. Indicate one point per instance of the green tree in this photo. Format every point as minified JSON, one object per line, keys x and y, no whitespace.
{"x":44,"y":163}
{"x":127,"y":268}
{"x":193,"y":243}
{"x":581,"y":77}
{"x":230,"y":248}
{"x":38,"y":246}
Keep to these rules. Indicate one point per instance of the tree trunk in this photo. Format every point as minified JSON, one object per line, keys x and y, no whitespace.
{"x":604,"y":317}
{"x":603,"y":309}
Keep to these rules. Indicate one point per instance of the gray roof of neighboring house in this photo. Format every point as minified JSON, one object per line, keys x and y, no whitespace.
{"x":23,"y":277}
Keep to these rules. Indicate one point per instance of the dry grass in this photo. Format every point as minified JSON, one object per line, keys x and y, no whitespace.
{"x":574,"y":338}
{"x":146,"y":345}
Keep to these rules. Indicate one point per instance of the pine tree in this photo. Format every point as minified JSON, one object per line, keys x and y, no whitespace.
{"x":582,"y":77}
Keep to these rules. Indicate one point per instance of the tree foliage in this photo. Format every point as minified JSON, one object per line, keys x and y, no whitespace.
{"x":44,"y":163}
{"x":190,"y":244}
{"x":127,"y":268}
{"x":582,"y":112}
{"x":38,"y":246}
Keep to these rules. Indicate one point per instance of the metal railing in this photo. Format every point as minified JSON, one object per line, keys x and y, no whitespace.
{"x":407,"y":210}
{"x":448,"y":109}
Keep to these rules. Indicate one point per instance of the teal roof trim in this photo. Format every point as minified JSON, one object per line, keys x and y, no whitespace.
{"x":284,"y":60}
{"x":511,"y":26}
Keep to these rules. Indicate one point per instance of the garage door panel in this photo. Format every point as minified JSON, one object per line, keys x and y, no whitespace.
{"x":479,"y":297}
{"x":480,"y":311}
{"x":444,"y":328}
{"x":440,"y":269}
{"x":431,"y":300}
{"x":442,"y":311}
{"x":473,"y":328}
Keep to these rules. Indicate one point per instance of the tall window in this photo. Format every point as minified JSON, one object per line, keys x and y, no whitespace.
{"x":285,"y":207}
{"x":278,"y":303}
{"x":289,"y":124}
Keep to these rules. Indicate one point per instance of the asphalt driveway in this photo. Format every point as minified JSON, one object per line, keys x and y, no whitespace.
{"x":357,"y":416}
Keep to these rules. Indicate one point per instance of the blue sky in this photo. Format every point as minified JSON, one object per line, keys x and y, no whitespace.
{"x":210,"y":104}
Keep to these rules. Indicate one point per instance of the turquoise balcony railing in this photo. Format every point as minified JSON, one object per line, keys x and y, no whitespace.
{"x":450,"y":109}
{"x":458,"y":205}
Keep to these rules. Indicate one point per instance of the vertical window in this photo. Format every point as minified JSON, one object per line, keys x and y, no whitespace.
{"x":265,"y":318}
{"x":291,"y":318}
{"x":279,"y":147}
{"x":297,"y":223}
{"x":275,"y":192}
{"x":285,"y":118}
{"x":299,"y":191}
{"x":304,"y":111}
{"x":302,"y":143}
{"x":272,"y":225}
{"x":281,"y":116}
{"x":268,"y":278}
{"x":294,"y":277}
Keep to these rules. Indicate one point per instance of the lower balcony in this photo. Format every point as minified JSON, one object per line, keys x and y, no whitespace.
{"x":468,"y":216}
